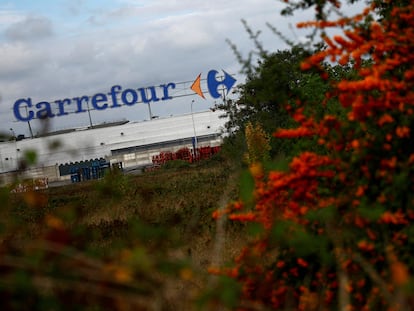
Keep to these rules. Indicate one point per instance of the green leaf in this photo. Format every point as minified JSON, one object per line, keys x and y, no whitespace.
{"x":246,"y":186}
{"x":280,"y":164}
{"x":324,"y":214}
{"x":22,"y":280}
{"x":305,"y":243}
{"x":55,"y":144}
{"x":372,"y":212}
{"x":255,"y":229}
{"x":230,"y":291}
{"x":226,"y":291}
{"x":140,"y":259}
{"x":280,"y":232}
{"x":30,"y":156}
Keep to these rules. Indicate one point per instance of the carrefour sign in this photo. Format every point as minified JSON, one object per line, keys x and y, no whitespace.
{"x":25,"y":110}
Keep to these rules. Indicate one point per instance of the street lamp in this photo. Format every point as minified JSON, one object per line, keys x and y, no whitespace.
{"x":195,"y":135}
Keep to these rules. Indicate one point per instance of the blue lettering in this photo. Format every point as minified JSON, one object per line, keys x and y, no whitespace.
{"x":16,"y":109}
{"x":116,"y":97}
{"x":79,"y":101}
{"x":115,"y":90}
{"x":97,"y":98}
{"x":132,"y":100}
{"x":153,"y":97}
{"x":165,"y":90}
{"x":44,"y":113}
{"x":61,"y":103}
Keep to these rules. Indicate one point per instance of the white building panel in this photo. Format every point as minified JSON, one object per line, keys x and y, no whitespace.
{"x":85,"y":144}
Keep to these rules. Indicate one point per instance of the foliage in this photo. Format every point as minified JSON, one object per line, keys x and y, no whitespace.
{"x":125,"y":242}
{"x":257,"y":144}
{"x":333,"y":230}
{"x":263,"y":96}
{"x":275,"y":83}
{"x":330,"y":226}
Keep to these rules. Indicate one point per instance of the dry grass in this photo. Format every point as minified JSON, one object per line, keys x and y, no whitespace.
{"x":166,"y":213}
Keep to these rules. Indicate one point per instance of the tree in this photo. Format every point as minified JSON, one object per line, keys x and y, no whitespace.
{"x":274,"y":86}
{"x":333,"y":230}
{"x":257,"y":144}
{"x":277,"y":81}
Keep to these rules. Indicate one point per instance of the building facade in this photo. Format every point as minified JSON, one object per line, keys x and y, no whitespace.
{"x":133,"y":144}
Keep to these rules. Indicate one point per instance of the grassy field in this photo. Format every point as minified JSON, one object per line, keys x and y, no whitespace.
{"x":150,"y":238}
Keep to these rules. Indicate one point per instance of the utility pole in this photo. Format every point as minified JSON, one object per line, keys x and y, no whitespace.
{"x":28,"y":123}
{"x":89,"y":113}
{"x":149,"y":105}
{"x":195,"y":135}
{"x":15,"y":148}
{"x":149,"y":110}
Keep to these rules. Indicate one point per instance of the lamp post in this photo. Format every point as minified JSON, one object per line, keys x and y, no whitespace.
{"x":195,"y":134}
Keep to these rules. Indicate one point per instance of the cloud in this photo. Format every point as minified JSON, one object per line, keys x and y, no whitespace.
{"x":8,"y":17}
{"x":74,"y":7}
{"x":31,"y":28}
{"x":18,"y":60}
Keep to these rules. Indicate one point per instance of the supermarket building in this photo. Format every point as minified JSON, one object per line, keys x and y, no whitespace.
{"x":131,"y":144}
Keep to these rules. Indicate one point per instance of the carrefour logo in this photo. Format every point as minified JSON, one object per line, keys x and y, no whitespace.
{"x":213,"y":84}
{"x":25,"y":110}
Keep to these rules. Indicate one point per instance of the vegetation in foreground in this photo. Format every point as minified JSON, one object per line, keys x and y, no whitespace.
{"x":334,"y":225}
{"x":324,"y":213}
{"x":115,"y":244}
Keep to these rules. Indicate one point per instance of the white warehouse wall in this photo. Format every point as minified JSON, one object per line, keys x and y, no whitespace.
{"x":85,"y":144}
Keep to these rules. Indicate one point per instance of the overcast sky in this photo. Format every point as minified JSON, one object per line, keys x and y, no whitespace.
{"x":58,"y":49}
